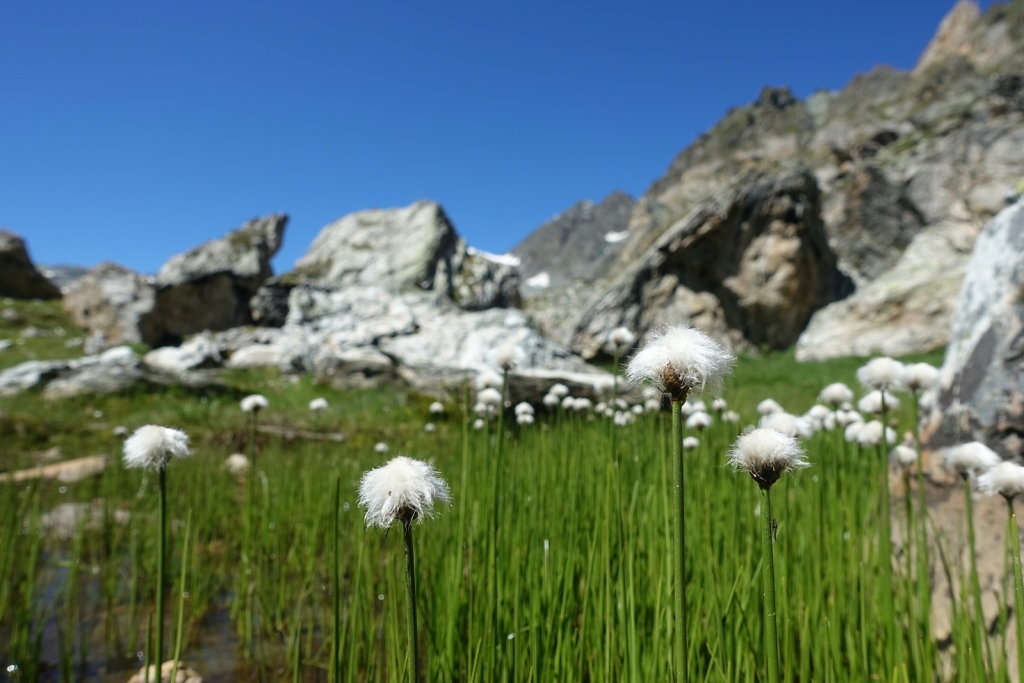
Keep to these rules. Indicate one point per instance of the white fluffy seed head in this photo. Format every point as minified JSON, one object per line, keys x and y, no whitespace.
{"x":851,"y":432}
{"x":921,"y":377}
{"x":766,"y":455}
{"x":489,"y":397}
{"x":524,"y":418}
{"x":436,"y":408}
{"x":380,"y":447}
{"x":971,"y":458}
{"x":719,"y":404}
{"x":691,"y":443}
{"x":404,"y":489}
{"x":872,"y":402}
{"x":620,"y":339}
{"x":679,"y":360}
{"x":846,"y":417}
{"x":508,"y":356}
{"x":730,"y":416}
{"x":559,"y":390}
{"x":769,"y":406}
{"x":254,"y":403}
{"x":153,"y":446}
{"x":871,"y":433}
{"x":488,"y":379}
{"x":478,"y":424}
{"x":903,"y":455}
{"x":318,"y":404}
{"x":550,"y":400}
{"x":698,"y":420}
{"x":836,"y":393}
{"x":524,"y":408}
{"x":237,"y":464}
{"x":691,"y":407}
{"x":1006,"y":479}
{"x":882,"y":373}
{"x":787,"y":424}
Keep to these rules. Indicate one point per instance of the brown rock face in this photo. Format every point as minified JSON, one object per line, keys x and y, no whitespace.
{"x":115,"y":302}
{"x":18,"y":276}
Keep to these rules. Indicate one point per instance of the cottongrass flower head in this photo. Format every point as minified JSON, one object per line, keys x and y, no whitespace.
{"x":678,"y":360}
{"x":582,"y":404}
{"x":568,"y":403}
{"x":623,"y":418}
{"x":479,"y":424}
{"x":237,"y":464}
{"x":970,"y":459}
{"x":404,"y":489}
{"x":871,"y":434}
{"x":508,"y":356}
{"x":691,"y":407}
{"x":436,"y":408}
{"x":430,"y":428}
{"x":524,"y":419}
{"x":559,"y":390}
{"x":153,"y":446}
{"x":883,"y":373}
{"x":620,"y":340}
{"x":318,"y":404}
{"x":852,"y":430}
{"x":254,"y":403}
{"x":1006,"y":479}
{"x":719,"y":404}
{"x":836,"y":394}
{"x":652,"y":405}
{"x":872,"y":402}
{"x":380,"y":447}
{"x":766,"y":455}
{"x":921,"y":377}
{"x":730,"y":416}
{"x":903,"y":455}
{"x":524,"y":408}
{"x":691,"y":443}
{"x":550,"y":400}
{"x":489,"y":397}
{"x":488,"y":379}
{"x":699,"y":420}
{"x":787,"y":424}
{"x":769,"y":406}
{"x":845,"y":418}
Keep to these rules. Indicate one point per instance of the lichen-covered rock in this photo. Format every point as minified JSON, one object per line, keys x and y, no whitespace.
{"x":981,"y":396}
{"x":115,"y":303}
{"x":210,"y":287}
{"x":19,"y":277}
{"x":269,"y":306}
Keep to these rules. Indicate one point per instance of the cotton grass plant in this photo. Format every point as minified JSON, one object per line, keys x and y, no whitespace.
{"x":151,"y":448}
{"x":677,"y":361}
{"x":404,"y":490}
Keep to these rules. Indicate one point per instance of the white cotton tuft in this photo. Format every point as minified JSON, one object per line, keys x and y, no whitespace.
{"x":921,"y":377}
{"x":508,"y":356}
{"x":1006,"y":479}
{"x":620,"y":339}
{"x":404,"y":489}
{"x":851,"y":432}
{"x":970,"y":458}
{"x":524,"y":418}
{"x":318,"y":404}
{"x":623,"y":418}
{"x":719,"y":404}
{"x":488,"y":379}
{"x":691,"y":443}
{"x":872,"y":402}
{"x":883,"y":374}
{"x":254,"y":403}
{"x":550,"y":400}
{"x":652,"y":405}
{"x":691,"y":407}
{"x":903,"y":455}
{"x":380,"y":447}
{"x":153,"y":446}
{"x":787,"y":424}
{"x":524,"y":408}
{"x":582,"y":404}
{"x":698,"y":420}
{"x":836,"y":394}
{"x":430,"y":428}
{"x":478,"y":424}
{"x":559,"y":390}
{"x":237,"y":464}
{"x":730,"y":416}
{"x":871,"y":434}
{"x":679,"y":360}
{"x":436,"y":408}
{"x":489,"y":397}
{"x":766,"y":455}
{"x":769,"y":406}
{"x":845,"y":417}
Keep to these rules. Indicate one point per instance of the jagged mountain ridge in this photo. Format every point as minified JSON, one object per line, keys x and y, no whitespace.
{"x":907,"y":167}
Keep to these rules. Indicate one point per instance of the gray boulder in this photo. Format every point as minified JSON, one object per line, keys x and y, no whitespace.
{"x":981,"y":396}
{"x":19,"y":278}
{"x":210,"y":287}
{"x":415,"y":247}
{"x":115,"y":303}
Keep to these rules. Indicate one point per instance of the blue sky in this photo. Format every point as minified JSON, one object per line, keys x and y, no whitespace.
{"x":135,"y":130}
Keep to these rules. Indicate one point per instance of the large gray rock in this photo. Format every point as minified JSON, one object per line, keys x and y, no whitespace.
{"x":749,"y":268}
{"x":982,"y":379}
{"x":415,"y":247}
{"x":115,"y":303}
{"x":18,"y":276}
{"x":210,"y":287}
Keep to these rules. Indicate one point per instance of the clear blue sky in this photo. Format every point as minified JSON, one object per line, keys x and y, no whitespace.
{"x":134,"y":130}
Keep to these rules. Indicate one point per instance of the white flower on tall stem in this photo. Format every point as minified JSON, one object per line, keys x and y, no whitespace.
{"x":872,"y":434}
{"x":921,"y":377}
{"x":1005,"y":478}
{"x":730,"y":416}
{"x":237,"y":464}
{"x":508,"y":356}
{"x":836,"y":394}
{"x":488,"y":379}
{"x":970,"y":459}
{"x":489,"y":397}
{"x":436,"y":408}
{"x":769,"y":406}
{"x":559,"y":390}
{"x":718,"y":405}
{"x":550,"y":400}
{"x":404,"y":489}
{"x":679,"y":360}
{"x":883,"y":374}
{"x":766,"y":454}
{"x":254,"y":403}
{"x":152,"y":447}
{"x":380,"y":447}
{"x":318,"y":404}
{"x":904,"y":455}
{"x":620,"y":340}
{"x":787,"y":424}
{"x":699,"y":421}
{"x":691,"y":443}
{"x":876,"y":402}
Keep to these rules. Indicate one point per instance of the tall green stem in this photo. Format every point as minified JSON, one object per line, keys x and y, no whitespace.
{"x":410,"y":584}
{"x":771,"y":633}
{"x":159,"y":659}
{"x":975,"y":583}
{"x":336,"y":585}
{"x":680,"y":570}
{"x":1013,"y":534}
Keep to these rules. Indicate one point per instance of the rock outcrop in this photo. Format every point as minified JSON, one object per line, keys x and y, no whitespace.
{"x":19,"y":277}
{"x":981,"y":395}
{"x":210,"y":287}
{"x":397,"y":250}
{"x":114,"y":303}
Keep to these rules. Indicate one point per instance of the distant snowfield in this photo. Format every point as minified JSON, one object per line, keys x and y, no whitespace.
{"x":503,"y":259}
{"x":539,"y":281}
{"x":616,"y":237}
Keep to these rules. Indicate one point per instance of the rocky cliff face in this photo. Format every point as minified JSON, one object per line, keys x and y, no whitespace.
{"x":900,"y":171}
{"x":19,"y":277}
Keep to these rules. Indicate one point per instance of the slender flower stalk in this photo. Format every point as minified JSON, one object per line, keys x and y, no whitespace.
{"x":404,"y":490}
{"x":676,"y":361}
{"x":766,"y":455}
{"x":152,"y":447}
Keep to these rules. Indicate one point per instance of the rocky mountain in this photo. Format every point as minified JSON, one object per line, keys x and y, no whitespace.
{"x":842,"y":222}
{"x":19,"y":277}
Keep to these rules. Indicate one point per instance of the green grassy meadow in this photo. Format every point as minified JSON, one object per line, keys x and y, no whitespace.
{"x":553,"y":563}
